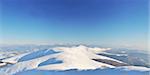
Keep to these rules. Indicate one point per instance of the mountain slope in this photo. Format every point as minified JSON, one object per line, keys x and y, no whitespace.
{"x":64,"y":58}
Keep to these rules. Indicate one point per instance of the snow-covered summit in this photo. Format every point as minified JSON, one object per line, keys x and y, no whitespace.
{"x":62,"y":58}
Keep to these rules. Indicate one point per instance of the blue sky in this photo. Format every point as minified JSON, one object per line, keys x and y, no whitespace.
{"x":98,"y":22}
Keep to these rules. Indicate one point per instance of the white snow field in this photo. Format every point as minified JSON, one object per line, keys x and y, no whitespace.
{"x":80,"y":58}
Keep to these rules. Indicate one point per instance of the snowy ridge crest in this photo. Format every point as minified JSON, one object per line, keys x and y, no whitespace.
{"x":65,"y":58}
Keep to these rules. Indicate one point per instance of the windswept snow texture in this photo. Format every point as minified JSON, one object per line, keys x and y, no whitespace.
{"x":37,"y":54}
{"x":50,"y":61}
{"x":75,"y":60}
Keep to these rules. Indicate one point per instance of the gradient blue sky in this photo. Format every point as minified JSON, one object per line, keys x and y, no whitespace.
{"x":98,"y":22}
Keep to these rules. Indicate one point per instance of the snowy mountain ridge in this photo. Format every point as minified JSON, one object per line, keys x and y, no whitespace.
{"x":65,"y":58}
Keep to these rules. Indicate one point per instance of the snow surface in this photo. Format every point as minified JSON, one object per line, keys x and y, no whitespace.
{"x":107,"y":71}
{"x":14,"y":59}
{"x":139,"y":68}
{"x":2,"y":64}
{"x":66,"y":58}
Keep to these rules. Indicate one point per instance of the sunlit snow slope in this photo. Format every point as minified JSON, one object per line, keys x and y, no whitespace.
{"x":65,"y":58}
